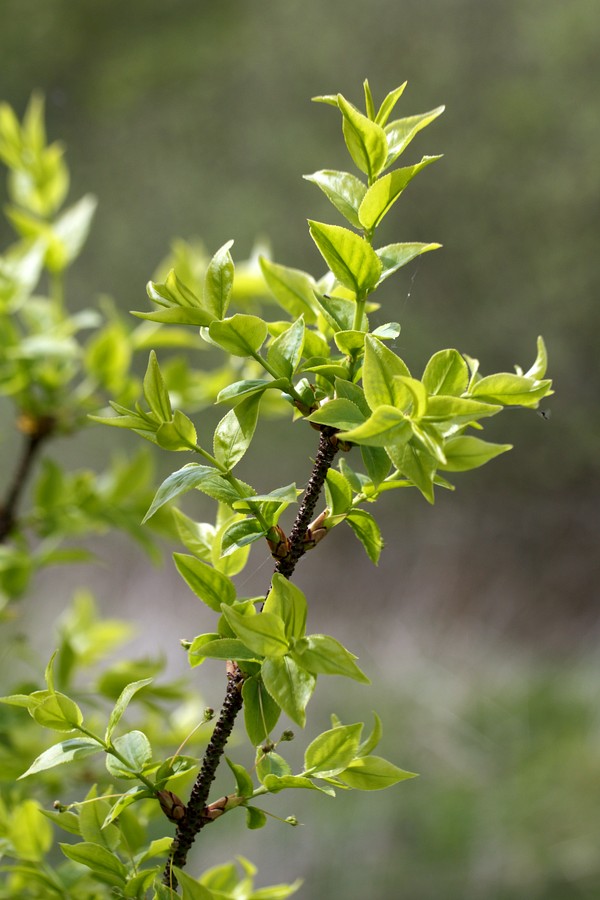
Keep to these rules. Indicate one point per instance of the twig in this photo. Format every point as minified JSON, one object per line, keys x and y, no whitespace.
{"x":8,"y":509}
{"x":195,"y":817}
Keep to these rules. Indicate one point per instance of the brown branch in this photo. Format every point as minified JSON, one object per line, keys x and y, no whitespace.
{"x":196,"y":816}
{"x":35,"y":432}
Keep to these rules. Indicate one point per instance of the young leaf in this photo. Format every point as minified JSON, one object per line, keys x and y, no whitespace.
{"x":241,"y":534}
{"x":277,"y":783}
{"x":179,"y":434}
{"x":323,"y":655}
{"x":538,"y":369}
{"x":122,"y":703}
{"x":467,"y":452}
{"x":400,"y":133}
{"x":381,"y":366}
{"x":285,"y":352}
{"x":377,"y":463}
{"x":387,"y":107}
{"x":219,"y":648}
{"x":351,"y":259}
{"x":511,"y":390}
{"x":372,"y":773}
{"x":155,"y":392}
{"x":289,"y":685}
{"x":333,"y":751}
{"x":367,"y":531}
{"x":263,"y":633}
{"x":190,"y":476}
{"x":243,"y":779}
{"x":211,"y":586}
{"x":261,"y":712}
{"x":338,"y":491}
{"x":385,"y":191}
{"x":66,"y":751}
{"x":255,"y":818}
{"x":416,"y":465}
{"x":394,"y":256}
{"x":287,"y":602}
{"x":235,"y":431}
{"x":342,"y":413}
{"x":240,"y":335}
{"x":446,"y":373}
{"x":57,"y":711}
{"x":101,"y":861}
{"x":136,"y":752}
{"x":365,"y":140}
{"x":241,"y":389}
{"x":218,"y":281}
{"x":374,"y":738}
{"x":271,"y":764}
{"x":344,"y":190}
{"x":387,"y":426}
{"x":292,"y":288}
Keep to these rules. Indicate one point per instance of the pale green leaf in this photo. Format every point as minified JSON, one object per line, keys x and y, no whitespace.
{"x":289,"y":685}
{"x":386,"y":190}
{"x":218,"y":281}
{"x":332,"y":751}
{"x":372,"y":773}
{"x":401,"y":132}
{"x":344,"y":190}
{"x":366,"y":141}
{"x":211,"y":586}
{"x":350,"y":257}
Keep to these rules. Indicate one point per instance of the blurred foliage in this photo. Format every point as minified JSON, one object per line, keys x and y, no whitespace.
{"x":171,"y":109}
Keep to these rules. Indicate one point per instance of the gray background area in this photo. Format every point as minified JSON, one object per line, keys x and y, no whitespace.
{"x":480,"y":627}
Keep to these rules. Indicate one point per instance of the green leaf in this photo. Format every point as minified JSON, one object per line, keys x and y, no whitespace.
{"x":372,"y":773}
{"x":288,"y":603}
{"x":136,"y":751}
{"x":261,"y":712}
{"x":289,"y":685}
{"x":459,"y":410}
{"x":467,"y":452}
{"x":351,"y":258}
{"x":56,"y":711}
{"x":323,"y":655}
{"x":344,"y":190}
{"x":340,"y":413}
{"x":240,"y":335}
{"x":346,"y":390}
{"x":394,"y":256}
{"x":133,"y":795}
{"x":377,"y":463}
{"x":180,"y":434}
{"x":190,"y":476}
{"x":243,"y":779}
{"x":511,"y":390}
{"x":177,"y":315}
{"x":292,"y":288}
{"x":240,"y":389}
{"x":101,"y":861}
{"x":211,"y":586}
{"x":263,"y":633}
{"x":385,"y":427}
{"x":400,"y":133}
{"x":218,"y":281}
{"x":350,"y":342}
{"x":446,"y":373}
{"x":277,"y":783}
{"x":374,"y":738}
{"x":285,"y":352}
{"x":416,"y":465}
{"x":538,"y":369}
{"x":92,"y":814}
{"x":240,"y":534}
{"x":192,"y":889}
{"x":235,"y":431}
{"x":386,"y":108}
{"x":155,"y":391}
{"x":219,"y":648}
{"x":271,"y":764}
{"x":338,"y":491}
{"x":381,"y":366}
{"x":365,"y":140}
{"x":255,"y":818}
{"x":66,"y":751}
{"x":369,"y":105}
{"x":332,"y":751}
{"x":386,"y":190}
{"x":338,"y":312}
{"x":29,"y":833}
{"x":122,"y":703}
{"x":367,"y":531}
{"x":69,"y":233}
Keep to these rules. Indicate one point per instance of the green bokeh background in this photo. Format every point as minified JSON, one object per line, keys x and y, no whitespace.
{"x":190,"y":118}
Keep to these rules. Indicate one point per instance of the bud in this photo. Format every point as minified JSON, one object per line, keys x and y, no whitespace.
{"x":287,"y":736}
{"x":185,"y":644}
{"x":172,"y":806}
{"x":292,"y":820}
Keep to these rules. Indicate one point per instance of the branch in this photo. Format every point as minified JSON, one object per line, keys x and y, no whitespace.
{"x":195,"y":817}
{"x":35,"y":431}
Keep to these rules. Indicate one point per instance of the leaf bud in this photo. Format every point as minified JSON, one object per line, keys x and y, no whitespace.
{"x":287,"y":735}
{"x":292,"y":820}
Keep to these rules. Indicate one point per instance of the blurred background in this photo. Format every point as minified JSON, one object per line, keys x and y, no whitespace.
{"x":480,"y":629}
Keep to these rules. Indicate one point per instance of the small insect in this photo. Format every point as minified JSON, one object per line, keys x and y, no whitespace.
{"x":544,"y":413}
